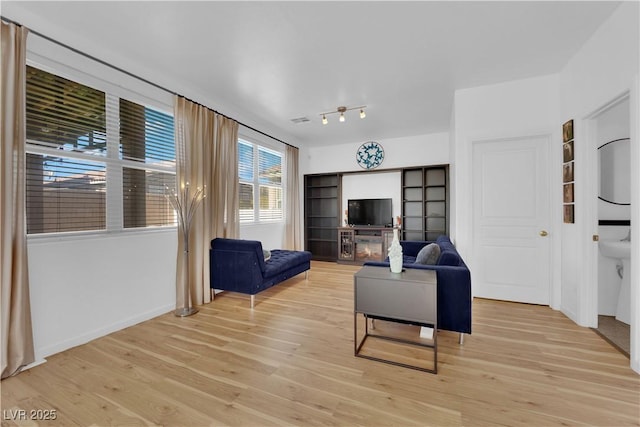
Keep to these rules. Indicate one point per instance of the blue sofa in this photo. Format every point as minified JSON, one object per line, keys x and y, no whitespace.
{"x":238,"y":265}
{"x":454,"y":282}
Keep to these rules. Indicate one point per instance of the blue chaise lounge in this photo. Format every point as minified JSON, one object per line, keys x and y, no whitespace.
{"x":238,"y":265}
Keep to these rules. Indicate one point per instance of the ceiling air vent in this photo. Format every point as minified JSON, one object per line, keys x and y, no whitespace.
{"x":300,"y":120}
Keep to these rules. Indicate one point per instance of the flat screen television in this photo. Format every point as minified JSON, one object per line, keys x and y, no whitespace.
{"x":370,"y":212}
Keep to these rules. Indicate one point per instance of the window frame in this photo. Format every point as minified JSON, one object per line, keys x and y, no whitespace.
{"x":115,"y":85}
{"x":255,"y":183}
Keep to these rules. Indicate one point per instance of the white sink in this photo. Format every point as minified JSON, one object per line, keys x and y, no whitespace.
{"x":615,"y":249}
{"x":621,"y":252}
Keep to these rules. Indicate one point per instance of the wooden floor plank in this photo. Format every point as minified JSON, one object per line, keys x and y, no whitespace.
{"x":290,"y":361}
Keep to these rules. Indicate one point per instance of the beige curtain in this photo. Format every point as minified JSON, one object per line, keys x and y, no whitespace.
{"x":292,"y":232}
{"x":17,"y":336}
{"x":207,"y":155}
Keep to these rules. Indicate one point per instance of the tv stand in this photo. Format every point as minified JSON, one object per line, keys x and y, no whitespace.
{"x":356,"y":245}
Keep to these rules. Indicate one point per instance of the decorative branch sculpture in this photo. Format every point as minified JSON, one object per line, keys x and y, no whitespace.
{"x":185,"y":205}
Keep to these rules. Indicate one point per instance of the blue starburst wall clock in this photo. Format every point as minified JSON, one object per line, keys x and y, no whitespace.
{"x":370,"y":155}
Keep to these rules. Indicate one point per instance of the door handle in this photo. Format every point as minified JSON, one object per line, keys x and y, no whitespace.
{"x":543,"y":233}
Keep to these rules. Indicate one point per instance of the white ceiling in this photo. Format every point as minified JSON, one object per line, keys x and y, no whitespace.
{"x":265,"y":63}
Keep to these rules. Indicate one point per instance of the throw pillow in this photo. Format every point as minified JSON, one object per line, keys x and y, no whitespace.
{"x":267,"y":254}
{"x":429,"y":254}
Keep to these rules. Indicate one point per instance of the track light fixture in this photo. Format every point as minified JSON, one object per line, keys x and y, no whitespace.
{"x":343,"y":110}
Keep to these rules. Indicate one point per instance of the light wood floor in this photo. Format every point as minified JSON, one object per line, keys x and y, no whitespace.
{"x":290,"y":362}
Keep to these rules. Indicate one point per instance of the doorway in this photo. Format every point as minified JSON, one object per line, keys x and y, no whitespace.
{"x":609,"y":130}
{"x":512,"y":220}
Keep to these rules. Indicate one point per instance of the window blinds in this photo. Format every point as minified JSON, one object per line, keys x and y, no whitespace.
{"x":86,"y":147}
{"x":64,"y":115}
{"x":259,"y":168}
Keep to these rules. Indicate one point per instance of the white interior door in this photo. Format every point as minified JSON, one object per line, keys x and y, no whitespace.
{"x":511,"y":219}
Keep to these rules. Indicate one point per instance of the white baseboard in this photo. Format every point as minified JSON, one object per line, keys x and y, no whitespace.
{"x":42,"y":353}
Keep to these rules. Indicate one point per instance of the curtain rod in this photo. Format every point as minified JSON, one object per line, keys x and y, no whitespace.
{"x":142,"y":79}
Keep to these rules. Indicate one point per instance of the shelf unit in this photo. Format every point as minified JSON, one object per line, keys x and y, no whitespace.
{"x":424,"y":211}
{"x":322,"y":215}
{"x":425,"y":202}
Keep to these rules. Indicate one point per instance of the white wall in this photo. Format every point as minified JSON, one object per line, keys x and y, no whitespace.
{"x":419,"y":150}
{"x":515,"y":109}
{"x":271,"y":235}
{"x":88,"y":286}
{"x":373,"y":185}
{"x":605,"y":68}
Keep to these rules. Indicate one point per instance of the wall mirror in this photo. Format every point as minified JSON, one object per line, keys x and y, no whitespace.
{"x":615,"y":171}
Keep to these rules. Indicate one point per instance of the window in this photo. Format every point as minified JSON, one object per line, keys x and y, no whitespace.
{"x":147,"y":138}
{"x":259,"y":168}
{"x":94,"y":161}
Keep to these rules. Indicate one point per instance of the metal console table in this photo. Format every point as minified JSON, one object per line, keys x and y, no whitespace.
{"x":408,"y":297}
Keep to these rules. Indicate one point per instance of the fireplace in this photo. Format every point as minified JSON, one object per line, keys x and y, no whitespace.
{"x":368,"y":248}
